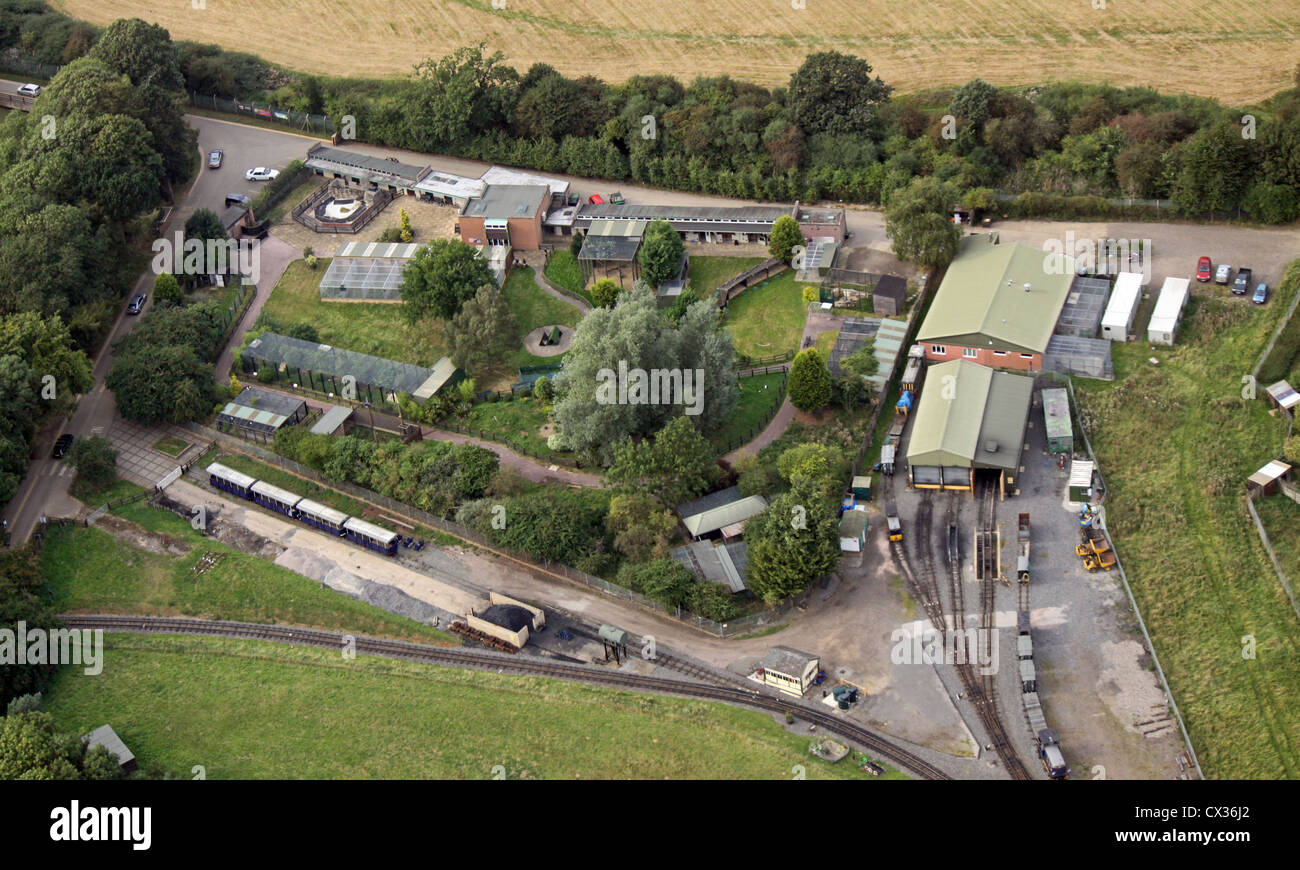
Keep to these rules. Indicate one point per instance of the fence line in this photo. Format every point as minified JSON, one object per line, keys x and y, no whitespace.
{"x":1277,"y":333}
{"x":301,"y":120}
{"x":1268,"y":548}
{"x":555,"y":569}
{"x":1128,"y":590}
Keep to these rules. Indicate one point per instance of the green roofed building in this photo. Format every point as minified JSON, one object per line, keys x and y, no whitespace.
{"x":261,"y":411}
{"x":997,"y":305}
{"x":970,"y":419}
{"x":725,"y":511}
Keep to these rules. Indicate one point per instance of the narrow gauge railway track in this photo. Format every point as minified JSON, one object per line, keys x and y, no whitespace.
{"x":503,"y":662}
{"x":980,"y":691}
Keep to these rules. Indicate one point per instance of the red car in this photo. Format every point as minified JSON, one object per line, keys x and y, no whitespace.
{"x":596,"y":199}
{"x":1204,"y":269}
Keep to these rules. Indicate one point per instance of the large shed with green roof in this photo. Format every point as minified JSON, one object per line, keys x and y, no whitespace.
{"x":998,"y":305}
{"x":970,"y":419}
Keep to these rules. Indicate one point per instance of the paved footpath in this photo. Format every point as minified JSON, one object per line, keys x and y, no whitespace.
{"x":275,"y":256}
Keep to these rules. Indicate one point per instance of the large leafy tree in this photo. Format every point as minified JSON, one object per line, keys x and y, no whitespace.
{"x":441,"y":277}
{"x":918,"y":221}
{"x":785,"y":235}
{"x":72,"y":255}
{"x":973,"y":102}
{"x":641,"y":526}
{"x":484,"y":330}
{"x":162,"y":384}
{"x":1218,"y":165}
{"x":677,"y":464}
{"x":23,"y":598}
{"x":634,"y":335}
{"x":661,"y":253}
{"x":144,"y":52}
{"x":452,"y":99}
{"x":95,"y":461}
{"x":835,"y":93}
{"x":810,"y":381}
{"x":793,"y":543}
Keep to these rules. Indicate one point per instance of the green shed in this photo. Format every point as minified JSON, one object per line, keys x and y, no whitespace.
{"x":1056,"y":417}
{"x":862,"y":487}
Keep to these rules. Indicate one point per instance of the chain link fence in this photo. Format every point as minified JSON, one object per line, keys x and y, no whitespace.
{"x":321,"y":124}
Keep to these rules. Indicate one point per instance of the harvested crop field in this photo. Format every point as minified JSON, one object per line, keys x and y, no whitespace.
{"x":1166,"y":44}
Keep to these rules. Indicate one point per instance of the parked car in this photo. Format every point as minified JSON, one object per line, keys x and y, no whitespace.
{"x":1224,"y":273}
{"x":1204,"y":269}
{"x":215,"y":157}
{"x":616,"y":198}
{"x":62,"y":446}
{"x":29,"y":90}
{"x":261,"y":173}
{"x":236,"y":199}
{"x":596,"y":199}
{"x":1242,"y":284}
{"x":1261,"y":294}
{"x":137,"y":304}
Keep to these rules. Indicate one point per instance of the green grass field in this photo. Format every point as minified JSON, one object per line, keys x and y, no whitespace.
{"x":768,"y":319}
{"x":563,"y":269}
{"x":760,"y":396}
{"x":706,"y":273}
{"x":365,"y":327}
{"x":246,"y":709}
{"x":516,"y":423}
{"x":1176,"y":443}
{"x":91,"y":571}
{"x":533,"y":307}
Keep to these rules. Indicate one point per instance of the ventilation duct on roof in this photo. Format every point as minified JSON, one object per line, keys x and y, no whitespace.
{"x":990,"y":447}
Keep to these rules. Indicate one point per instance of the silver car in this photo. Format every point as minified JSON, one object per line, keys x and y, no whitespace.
{"x":1224,"y":273}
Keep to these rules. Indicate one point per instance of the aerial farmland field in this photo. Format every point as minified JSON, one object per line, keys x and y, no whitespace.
{"x":1233,"y":51}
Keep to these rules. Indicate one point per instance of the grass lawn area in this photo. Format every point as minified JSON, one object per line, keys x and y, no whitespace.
{"x":760,"y":396}
{"x":95,"y":497}
{"x":706,"y":273}
{"x":248,"y":709}
{"x":1176,"y":443}
{"x":564,"y":270}
{"x":515,"y":423}
{"x":375,"y":328}
{"x":1281,"y":518}
{"x":90,"y":570}
{"x":826,"y":343}
{"x":331,"y":497}
{"x":532,"y":307}
{"x":171,"y":445}
{"x":768,"y":318}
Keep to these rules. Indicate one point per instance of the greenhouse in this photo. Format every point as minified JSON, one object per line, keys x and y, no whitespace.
{"x":320,"y":366}
{"x":373,"y":279}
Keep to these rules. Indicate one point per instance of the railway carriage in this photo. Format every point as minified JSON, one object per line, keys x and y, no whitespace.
{"x":324,"y":518}
{"x":275,"y":498}
{"x":372,"y":536}
{"x":231,"y":481}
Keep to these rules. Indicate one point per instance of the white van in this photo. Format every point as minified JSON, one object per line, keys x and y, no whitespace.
{"x":29,"y":90}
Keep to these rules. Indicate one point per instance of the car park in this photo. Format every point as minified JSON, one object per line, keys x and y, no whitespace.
{"x":1204,"y":269}
{"x":29,"y":90}
{"x":261,"y":173}
{"x":1224,"y":273}
{"x":1242,"y":284}
{"x":1261,"y":294}
{"x":62,"y":445}
{"x":137,"y":304}
{"x":215,"y":156}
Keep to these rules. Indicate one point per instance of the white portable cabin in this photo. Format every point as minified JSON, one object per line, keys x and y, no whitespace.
{"x":1169,"y":311}
{"x":1117,"y":322}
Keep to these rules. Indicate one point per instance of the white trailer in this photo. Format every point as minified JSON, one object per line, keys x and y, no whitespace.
{"x":1169,"y":311}
{"x":1117,"y":322}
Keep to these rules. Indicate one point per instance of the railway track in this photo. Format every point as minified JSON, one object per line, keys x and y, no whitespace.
{"x":521,"y":665}
{"x":980,"y":689}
